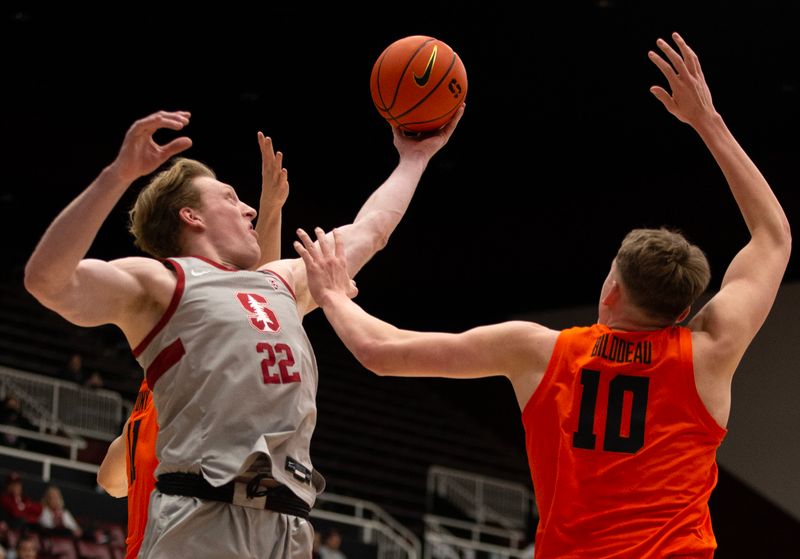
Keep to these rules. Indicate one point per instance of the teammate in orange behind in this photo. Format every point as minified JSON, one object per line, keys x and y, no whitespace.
{"x":623,"y":418}
{"x":128,"y":468}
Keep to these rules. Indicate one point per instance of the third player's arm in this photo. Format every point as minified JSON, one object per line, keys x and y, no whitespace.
{"x":274,"y":191}
{"x":112,"y":475}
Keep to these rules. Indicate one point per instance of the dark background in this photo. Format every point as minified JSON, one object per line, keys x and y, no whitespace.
{"x":561,"y":151}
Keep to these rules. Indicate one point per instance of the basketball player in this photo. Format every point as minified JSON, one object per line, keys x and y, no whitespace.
{"x":128,"y":468}
{"x":623,"y":418}
{"x":232,"y":374}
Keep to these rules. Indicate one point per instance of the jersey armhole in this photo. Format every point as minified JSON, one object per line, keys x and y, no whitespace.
{"x":180,"y":285}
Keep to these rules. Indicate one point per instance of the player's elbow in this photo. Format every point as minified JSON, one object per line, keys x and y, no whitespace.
{"x":36,"y":281}
{"x":787,"y":236}
{"x":781,"y":239}
{"x":374,"y":357}
{"x":380,"y":224}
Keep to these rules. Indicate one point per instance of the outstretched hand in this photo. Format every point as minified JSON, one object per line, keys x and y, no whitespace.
{"x":326,"y":265}
{"x":140,"y":154}
{"x":690,"y":98}
{"x":427,"y":143}
{"x":274,"y":177}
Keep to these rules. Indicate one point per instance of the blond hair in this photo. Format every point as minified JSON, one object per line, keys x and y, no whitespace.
{"x":154,"y":220}
{"x":661,"y":271}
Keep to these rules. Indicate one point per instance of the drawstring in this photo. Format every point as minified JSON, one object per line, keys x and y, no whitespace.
{"x":254,"y":486}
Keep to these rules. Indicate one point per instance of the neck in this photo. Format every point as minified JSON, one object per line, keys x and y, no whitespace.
{"x":633,"y":321}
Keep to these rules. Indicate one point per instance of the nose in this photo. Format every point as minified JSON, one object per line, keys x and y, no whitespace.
{"x":249,"y":212}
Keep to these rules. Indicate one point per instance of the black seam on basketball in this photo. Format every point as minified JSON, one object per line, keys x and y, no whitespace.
{"x":396,"y":87}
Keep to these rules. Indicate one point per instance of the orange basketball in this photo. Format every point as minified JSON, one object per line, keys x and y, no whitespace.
{"x":418,"y":83}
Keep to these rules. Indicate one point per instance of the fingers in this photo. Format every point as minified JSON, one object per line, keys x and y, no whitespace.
{"x":448,"y":128}
{"x":323,"y":241}
{"x":303,"y":247}
{"x":174,"y":120}
{"x":265,"y":143}
{"x":674,"y":57}
{"x":307,"y":244}
{"x":176,"y":146}
{"x":666,"y":69}
{"x":664,"y":97}
{"x":352,"y":290}
{"x":689,"y":56}
{"x":326,"y":246}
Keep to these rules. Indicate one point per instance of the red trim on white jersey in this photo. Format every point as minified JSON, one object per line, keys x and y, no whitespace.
{"x":215,"y":264}
{"x":277,"y":275}
{"x":173,"y":304}
{"x":163,"y":361}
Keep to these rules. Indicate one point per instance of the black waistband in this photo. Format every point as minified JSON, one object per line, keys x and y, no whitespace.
{"x":278,"y":499}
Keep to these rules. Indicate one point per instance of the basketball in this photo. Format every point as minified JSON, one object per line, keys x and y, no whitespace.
{"x":418,"y":83}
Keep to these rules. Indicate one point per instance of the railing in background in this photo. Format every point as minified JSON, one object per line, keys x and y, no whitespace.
{"x":392,"y":539}
{"x":55,"y":404}
{"x":48,"y":461}
{"x":482,"y":498}
{"x":74,"y":444}
{"x":448,"y":538}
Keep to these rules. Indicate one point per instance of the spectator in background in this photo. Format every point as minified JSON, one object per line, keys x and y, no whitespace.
{"x":73,"y":370}
{"x":94,"y":381}
{"x":55,"y":517}
{"x":10,"y":414}
{"x":331,"y":544}
{"x":21,"y":511}
{"x":314,"y":546}
{"x":27,"y":547}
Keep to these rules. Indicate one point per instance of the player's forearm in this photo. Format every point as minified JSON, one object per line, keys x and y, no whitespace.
{"x":69,"y":237}
{"x":268,"y":228}
{"x":365,"y":336}
{"x":386,"y":206}
{"x":112,"y":475}
{"x":381,"y":213}
{"x":760,"y":208}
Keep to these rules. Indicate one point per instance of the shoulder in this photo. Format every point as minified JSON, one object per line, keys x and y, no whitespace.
{"x":530,"y":343}
{"x":287,"y":269}
{"x":292,"y":272}
{"x":141,"y":267}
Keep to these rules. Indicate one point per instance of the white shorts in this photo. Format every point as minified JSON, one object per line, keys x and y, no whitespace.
{"x":179,"y":526}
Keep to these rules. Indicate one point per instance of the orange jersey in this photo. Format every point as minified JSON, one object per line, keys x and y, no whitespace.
{"x":622,"y":449}
{"x":141,"y":462}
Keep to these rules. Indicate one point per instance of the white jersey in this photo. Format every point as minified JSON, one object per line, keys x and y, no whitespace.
{"x":234,"y":378}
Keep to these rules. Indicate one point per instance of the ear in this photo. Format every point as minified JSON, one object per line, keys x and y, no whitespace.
{"x":191,"y":217}
{"x":683,"y":315}
{"x":613,"y":295}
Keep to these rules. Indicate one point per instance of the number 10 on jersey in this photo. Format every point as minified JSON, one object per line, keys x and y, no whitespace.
{"x":618,"y":387}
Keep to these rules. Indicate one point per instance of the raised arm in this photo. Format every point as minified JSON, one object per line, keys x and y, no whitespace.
{"x":517,"y":350}
{"x":731,"y":319}
{"x":86,"y":291}
{"x":382,"y":211}
{"x":274,"y":191}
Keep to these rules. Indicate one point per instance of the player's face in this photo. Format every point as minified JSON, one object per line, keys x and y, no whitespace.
{"x":229,"y":223}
